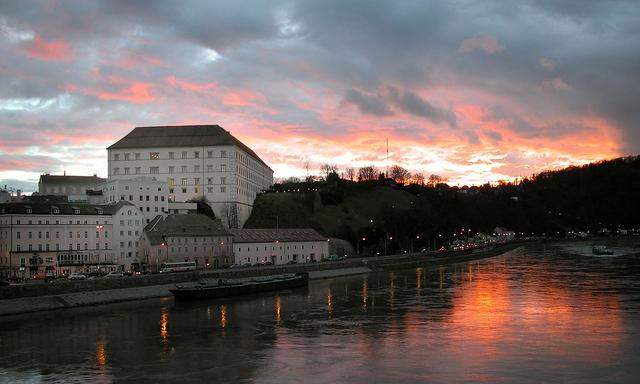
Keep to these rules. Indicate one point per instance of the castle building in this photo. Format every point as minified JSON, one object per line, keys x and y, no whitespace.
{"x":197,"y":162}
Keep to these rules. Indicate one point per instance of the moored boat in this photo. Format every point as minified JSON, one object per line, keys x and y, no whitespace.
{"x":219,"y":288}
{"x":601,"y":250}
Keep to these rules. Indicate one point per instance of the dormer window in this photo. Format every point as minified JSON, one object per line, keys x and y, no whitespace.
{"x":55,"y":210}
{"x":99,"y":211}
{"x":29,"y":210}
{"x":76,"y":211}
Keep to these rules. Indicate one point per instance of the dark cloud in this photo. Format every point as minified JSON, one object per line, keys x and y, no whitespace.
{"x":368,"y":104}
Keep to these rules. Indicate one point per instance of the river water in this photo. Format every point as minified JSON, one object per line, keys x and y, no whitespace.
{"x":532,"y":315}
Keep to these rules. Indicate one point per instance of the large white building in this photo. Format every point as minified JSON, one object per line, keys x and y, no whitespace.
{"x":278,"y":246}
{"x":63,"y":185}
{"x":60,"y":238}
{"x":196,"y":161}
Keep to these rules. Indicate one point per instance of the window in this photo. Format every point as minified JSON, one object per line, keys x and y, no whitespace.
{"x":116,"y":171}
{"x":196,"y":181}
{"x":18,"y":234}
{"x":196,"y":154}
{"x":137,"y":170}
{"x":154,"y":170}
{"x":209,"y":168}
{"x":209,"y":180}
{"x":126,"y":170}
{"x":154,"y":155}
{"x":183,"y":181}
{"x":76,"y":211}
{"x":210,"y":189}
{"x":209,"y":153}
{"x":126,"y":156}
{"x":184,"y":154}
{"x":184,"y":190}
{"x":184,"y":169}
{"x":55,"y":210}
{"x":170,"y":181}
{"x":196,"y":168}
{"x":223,"y":153}
{"x":223,"y":180}
{"x":223,"y":189}
{"x":223,"y":167}
{"x":137,"y":156}
{"x":116,"y":157}
{"x":171,"y":155}
{"x":171,"y":169}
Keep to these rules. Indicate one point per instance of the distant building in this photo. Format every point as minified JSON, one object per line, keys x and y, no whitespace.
{"x":182,"y":208}
{"x":195,"y":161}
{"x":150,"y":196}
{"x":38,"y":237}
{"x":4,"y":196}
{"x":503,"y":234}
{"x":195,"y":238}
{"x":278,"y":246}
{"x":63,"y":185}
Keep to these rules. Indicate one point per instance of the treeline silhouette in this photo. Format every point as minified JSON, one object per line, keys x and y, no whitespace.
{"x":404,"y":213}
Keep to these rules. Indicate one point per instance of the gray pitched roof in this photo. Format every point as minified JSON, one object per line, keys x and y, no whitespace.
{"x":182,"y":225}
{"x":272,"y":235}
{"x":64,"y":179}
{"x":46,"y":208}
{"x":181,"y":136}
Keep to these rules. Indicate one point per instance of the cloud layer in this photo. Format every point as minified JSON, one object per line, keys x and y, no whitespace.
{"x":472,"y":90}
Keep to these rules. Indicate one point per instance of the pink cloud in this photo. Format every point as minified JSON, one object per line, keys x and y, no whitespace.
{"x":555,"y":84}
{"x":53,"y":50}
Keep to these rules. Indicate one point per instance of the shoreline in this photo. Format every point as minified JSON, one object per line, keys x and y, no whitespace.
{"x":349,"y":267}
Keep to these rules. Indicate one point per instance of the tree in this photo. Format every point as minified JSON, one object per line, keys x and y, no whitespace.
{"x":367,"y":173}
{"x":399,"y":174}
{"x":350,"y":173}
{"x":434,"y":180}
{"x":328,"y":169}
{"x":230,"y":215}
{"x":418,"y":178}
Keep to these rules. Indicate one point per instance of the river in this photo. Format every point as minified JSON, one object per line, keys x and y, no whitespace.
{"x":533,"y":315}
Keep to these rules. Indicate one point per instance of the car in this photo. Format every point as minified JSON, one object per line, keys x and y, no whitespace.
{"x":77,"y":276}
{"x":292,"y":262}
{"x":114,"y":275}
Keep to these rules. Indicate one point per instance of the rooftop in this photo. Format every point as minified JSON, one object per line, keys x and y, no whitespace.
{"x":46,"y":208}
{"x":182,"y":226}
{"x":64,"y":179}
{"x":273,"y":235}
{"x":181,"y":136}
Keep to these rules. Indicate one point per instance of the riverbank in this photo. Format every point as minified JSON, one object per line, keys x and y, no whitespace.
{"x":135,"y":290}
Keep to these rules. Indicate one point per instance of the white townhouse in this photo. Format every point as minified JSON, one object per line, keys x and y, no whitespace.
{"x":178,"y":238}
{"x":278,"y":246}
{"x":196,"y":161}
{"x":39,"y":237}
{"x":151,"y":197}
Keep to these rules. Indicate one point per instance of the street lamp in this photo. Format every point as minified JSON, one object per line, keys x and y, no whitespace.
{"x":358,"y":244}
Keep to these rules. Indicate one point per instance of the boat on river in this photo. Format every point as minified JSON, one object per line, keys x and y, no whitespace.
{"x":218,"y":288}
{"x":601,"y":250}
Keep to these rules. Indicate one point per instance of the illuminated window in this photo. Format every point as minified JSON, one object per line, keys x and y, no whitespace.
{"x":154,"y":155}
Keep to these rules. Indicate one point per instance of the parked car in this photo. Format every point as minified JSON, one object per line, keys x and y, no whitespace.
{"x":114,"y":275}
{"x":77,"y":276}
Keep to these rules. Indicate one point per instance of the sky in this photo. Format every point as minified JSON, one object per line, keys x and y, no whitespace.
{"x":475,"y":91}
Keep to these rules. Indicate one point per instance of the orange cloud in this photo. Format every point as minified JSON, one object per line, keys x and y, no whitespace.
{"x":53,"y":50}
{"x":135,"y":93}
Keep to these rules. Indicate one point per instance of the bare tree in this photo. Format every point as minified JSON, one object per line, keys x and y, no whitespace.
{"x":367,"y":173}
{"x":434,"y":180}
{"x":418,"y":178}
{"x":399,"y":174}
{"x":230,"y":215}
{"x":328,"y":169}
{"x":350,"y":173}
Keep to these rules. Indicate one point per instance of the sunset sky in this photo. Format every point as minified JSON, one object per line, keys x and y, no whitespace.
{"x":472,"y":90}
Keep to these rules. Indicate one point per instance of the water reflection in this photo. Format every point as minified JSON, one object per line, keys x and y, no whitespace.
{"x":526,"y":317}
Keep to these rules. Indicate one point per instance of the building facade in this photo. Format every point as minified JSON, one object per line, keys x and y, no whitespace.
{"x":177,"y":238}
{"x":151,"y":197}
{"x":63,"y":185}
{"x":61,"y":238}
{"x":278,"y":246}
{"x":196,"y":162}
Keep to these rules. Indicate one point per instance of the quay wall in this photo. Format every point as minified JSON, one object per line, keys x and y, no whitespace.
{"x":60,"y":287}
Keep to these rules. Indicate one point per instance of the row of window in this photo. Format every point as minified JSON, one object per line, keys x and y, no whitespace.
{"x":172,"y":155}
{"x":57,"y":247}
{"x":170,"y":169}
{"x":57,"y":234}
{"x":31,"y":222}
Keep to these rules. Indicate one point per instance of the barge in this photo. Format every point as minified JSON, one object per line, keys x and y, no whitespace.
{"x":218,"y":288}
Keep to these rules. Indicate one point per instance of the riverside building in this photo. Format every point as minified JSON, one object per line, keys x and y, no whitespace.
{"x":180,"y":238}
{"x":52,"y":239}
{"x":151,"y":197}
{"x":278,"y":246}
{"x":196,"y":162}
